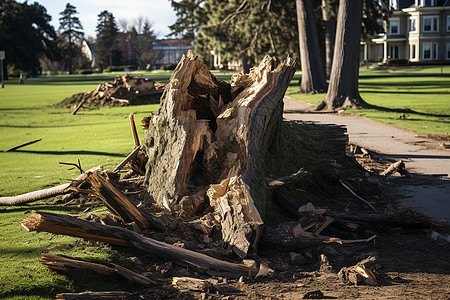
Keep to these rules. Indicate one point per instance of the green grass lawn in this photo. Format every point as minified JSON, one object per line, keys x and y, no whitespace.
{"x":424,"y":90}
{"x":96,"y":137}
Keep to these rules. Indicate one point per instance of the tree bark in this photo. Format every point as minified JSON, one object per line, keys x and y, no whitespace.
{"x":330,"y":36}
{"x":209,"y":135}
{"x":343,"y":89}
{"x":313,"y":74}
{"x":67,"y":225}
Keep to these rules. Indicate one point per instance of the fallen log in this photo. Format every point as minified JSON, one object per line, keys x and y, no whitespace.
{"x":67,"y":264}
{"x":398,"y":166}
{"x":212,"y":135}
{"x":72,"y":226}
{"x":94,"y":295}
{"x":21,"y":145}
{"x":116,"y":201}
{"x":46,"y":193}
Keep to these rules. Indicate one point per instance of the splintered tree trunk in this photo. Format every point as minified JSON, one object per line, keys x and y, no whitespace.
{"x":343,"y":89}
{"x":207,"y":139}
{"x":313,"y":74}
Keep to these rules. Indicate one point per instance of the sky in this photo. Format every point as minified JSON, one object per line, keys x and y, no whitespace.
{"x":159,"y":12}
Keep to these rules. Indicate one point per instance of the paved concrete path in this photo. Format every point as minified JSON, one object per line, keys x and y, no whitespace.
{"x":421,"y":155}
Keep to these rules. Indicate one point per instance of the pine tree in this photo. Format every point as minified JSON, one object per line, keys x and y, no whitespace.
{"x":107,"y":52}
{"x":71,"y":32}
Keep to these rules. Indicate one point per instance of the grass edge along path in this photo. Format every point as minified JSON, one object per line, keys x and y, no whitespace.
{"x":421,"y":92}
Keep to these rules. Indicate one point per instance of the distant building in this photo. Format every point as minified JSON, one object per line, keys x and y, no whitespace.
{"x":169,"y":51}
{"x":88,"y":51}
{"x":418,"y":31}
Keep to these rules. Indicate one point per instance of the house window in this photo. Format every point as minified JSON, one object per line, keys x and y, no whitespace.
{"x":412,"y":24}
{"x":427,"y":2}
{"x":426,"y":51}
{"x":430,"y":51}
{"x":413,"y":51}
{"x":448,"y":23}
{"x":430,"y":23}
{"x":394,"y":26}
{"x":393,"y":52}
{"x":448,"y":51}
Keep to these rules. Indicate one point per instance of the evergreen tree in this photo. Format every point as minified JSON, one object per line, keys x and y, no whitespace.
{"x":26,"y":35}
{"x":71,"y":32}
{"x":238,"y":30}
{"x":107,"y":52}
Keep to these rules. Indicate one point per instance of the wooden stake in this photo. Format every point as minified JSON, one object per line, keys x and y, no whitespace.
{"x":134,"y":131}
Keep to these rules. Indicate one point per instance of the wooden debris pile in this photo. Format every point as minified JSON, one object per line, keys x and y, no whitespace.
{"x":124,"y":90}
{"x":222,"y":175}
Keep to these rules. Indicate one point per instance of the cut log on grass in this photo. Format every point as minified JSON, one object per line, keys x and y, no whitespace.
{"x":68,"y":264}
{"x":22,"y":145}
{"x":214,"y":135}
{"x":94,"y":295}
{"x":72,"y":226}
{"x":46,"y":193}
{"x":116,"y":201}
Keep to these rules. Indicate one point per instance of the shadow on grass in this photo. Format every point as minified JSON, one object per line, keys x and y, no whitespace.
{"x":79,"y":152}
{"x":401,"y":110}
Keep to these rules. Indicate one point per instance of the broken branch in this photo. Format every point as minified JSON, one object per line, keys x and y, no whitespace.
{"x":72,"y":226}
{"x":64,"y":263}
{"x":21,"y":145}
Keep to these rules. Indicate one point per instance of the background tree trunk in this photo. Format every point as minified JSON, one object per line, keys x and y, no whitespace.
{"x":313,"y":74}
{"x":330,"y":37}
{"x":343,"y":89}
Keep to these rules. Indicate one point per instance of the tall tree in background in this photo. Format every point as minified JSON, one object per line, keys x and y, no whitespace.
{"x":26,"y":35}
{"x":106,"y":45}
{"x":71,"y":32}
{"x":329,"y":12}
{"x":238,"y":30}
{"x":313,"y":76}
{"x":343,"y":89}
{"x":139,"y":36}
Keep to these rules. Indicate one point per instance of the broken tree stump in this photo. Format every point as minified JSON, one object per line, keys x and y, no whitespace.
{"x":208,"y":134}
{"x":66,"y":264}
{"x":72,"y":226}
